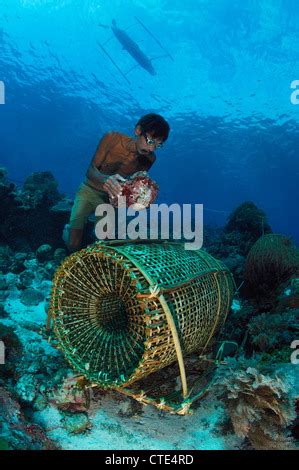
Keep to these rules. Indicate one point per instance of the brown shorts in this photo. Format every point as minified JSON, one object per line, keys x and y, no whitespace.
{"x":86,"y":201}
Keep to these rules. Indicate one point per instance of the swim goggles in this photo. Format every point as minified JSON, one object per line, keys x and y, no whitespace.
{"x":150,"y":141}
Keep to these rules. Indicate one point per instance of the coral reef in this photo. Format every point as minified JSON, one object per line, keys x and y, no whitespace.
{"x":25,"y":279}
{"x":3,"y":289}
{"x":31,"y":297}
{"x":44,"y":253}
{"x":248,"y":223}
{"x":275,"y":332}
{"x":13,"y":350}
{"x":6,"y":256}
{"x":245,"y":225}
{"x":236,"y":326}
{"x":290,"y":297}
{"x":71,"y":396}
{"x":16,"y":433}
{"x":40,"y":189}
{"x":21,"y":208}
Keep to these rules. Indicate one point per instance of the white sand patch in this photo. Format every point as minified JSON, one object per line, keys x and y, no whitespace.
{"x":19,"y":312}
{"x":151,"y":429}
{"x":20,"y":315}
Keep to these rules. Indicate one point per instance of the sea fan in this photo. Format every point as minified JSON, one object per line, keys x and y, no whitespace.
{"x":260,"y":406}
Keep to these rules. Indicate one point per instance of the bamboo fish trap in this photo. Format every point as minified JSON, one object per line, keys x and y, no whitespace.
{"x":124,"y":310}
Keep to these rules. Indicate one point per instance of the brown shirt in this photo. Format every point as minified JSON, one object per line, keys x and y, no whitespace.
{"x":116,"y":153}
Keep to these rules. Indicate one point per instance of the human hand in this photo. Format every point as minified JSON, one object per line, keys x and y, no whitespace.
{"x":112,"y":185}
{"x":139,"y":173}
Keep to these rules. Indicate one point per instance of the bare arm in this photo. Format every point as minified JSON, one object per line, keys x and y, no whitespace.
{"x":93,"y":174}
{"x":110,"y":183}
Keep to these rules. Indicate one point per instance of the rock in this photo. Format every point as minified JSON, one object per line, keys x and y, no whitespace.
{"x":26,"y":279}
{"x":3,"y":289}
{"x":63,"y":206}
{"x":31,"y":297}
{"x":45,"y":287}
{"x":40,"y":402}
{"x":3,"y":312}
{"x":17,"y":263}
{"x":12,"y":292}
{"x":11,"y":279}
{"x":40,"y":190}
{"x":71,"y":396}
{"x":35,"y":367}
{"x":3,"y":283}
{"x":16,"y":432}
{"x":290,"y":297}
{"x":59,"y":376}
{"x":29,"y":325}
{"x":30,"y":204}
{"x":46,"y":273}
{"x":13,"y":351}
{"x":21,"y":256}
{"x":129,"y":408}
{"x":76,"y":423}
{"x":50,"y":270}
{"x":27,"y":388}
{"x":9,"y":216}
{"x":5,"y":261}
{"x":125,"y":409}
{"x":44,"y":253}
{"x":41,"y":274}
{"x":35,"y":347}
{"x":31,"y":264}
{"x":40,"y":365}
{"x":59,"y":256}
{"x":3,"y":295}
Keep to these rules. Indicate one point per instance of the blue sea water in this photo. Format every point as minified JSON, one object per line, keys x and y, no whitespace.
{"x":226,"y":94}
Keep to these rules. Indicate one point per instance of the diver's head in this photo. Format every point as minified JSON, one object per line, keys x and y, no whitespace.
{"x":152,"y":131}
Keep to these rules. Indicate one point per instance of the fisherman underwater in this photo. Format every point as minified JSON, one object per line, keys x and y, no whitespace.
{"x":117,"y":158}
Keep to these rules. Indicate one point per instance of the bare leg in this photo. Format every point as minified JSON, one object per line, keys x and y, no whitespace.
{"x":75,"y":239}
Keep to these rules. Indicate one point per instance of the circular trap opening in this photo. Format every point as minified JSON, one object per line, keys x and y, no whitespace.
{"x":111,"y":314}
{"x":96,"y":320}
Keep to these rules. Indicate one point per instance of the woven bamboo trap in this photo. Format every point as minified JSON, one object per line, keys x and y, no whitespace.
{"x":123,"y":311}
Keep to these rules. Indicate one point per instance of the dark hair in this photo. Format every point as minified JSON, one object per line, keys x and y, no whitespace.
{"x":155,"y":125}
